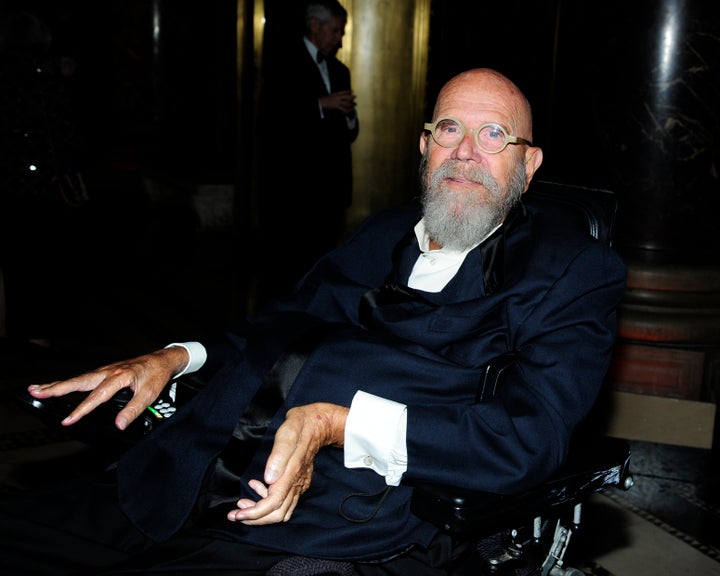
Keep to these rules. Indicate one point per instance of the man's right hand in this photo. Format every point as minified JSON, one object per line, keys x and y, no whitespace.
{"x":145,"y":375}
{"x":343,"y":101}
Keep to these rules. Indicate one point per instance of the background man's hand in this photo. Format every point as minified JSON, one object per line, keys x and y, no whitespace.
{"x":288,"y":472}
{"x":343,"y":101}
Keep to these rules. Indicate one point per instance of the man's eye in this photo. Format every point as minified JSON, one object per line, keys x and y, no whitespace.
{"x":449,"y":127}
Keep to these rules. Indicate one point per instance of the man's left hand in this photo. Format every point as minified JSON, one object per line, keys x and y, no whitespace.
{"x":288,"y":472}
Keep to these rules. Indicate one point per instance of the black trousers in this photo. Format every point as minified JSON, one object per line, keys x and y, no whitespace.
{"x":79,"y":530}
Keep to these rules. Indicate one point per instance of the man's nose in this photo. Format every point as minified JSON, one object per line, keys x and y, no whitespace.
{"x":467,"y":148}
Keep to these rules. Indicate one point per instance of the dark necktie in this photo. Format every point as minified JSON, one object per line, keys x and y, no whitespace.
{"x":320,"y":57}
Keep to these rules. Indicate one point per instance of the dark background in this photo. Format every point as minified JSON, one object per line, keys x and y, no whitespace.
{"x":168,"y":97}
{"x":156,"y":101}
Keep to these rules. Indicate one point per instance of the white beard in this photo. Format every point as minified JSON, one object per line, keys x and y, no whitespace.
{"x":458,"y":219}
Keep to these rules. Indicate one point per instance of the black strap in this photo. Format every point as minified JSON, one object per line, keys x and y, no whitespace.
{"x":382,"y":494}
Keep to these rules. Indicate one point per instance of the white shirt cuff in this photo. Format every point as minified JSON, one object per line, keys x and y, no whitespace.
{"x":375,"y":433}
{"x":197,"y":354}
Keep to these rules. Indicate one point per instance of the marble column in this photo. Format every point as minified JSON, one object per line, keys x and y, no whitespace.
{"x":387,"y":51}
{"x":638,"y":111}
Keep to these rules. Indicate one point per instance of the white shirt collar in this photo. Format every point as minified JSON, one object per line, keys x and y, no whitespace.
{"x":311,"y":48}
{"x":435,"y":268}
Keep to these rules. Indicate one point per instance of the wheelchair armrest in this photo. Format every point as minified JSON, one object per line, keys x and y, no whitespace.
{"x":467,"y":514}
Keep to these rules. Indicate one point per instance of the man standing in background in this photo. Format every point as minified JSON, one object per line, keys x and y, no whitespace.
{"x":306,"y":126}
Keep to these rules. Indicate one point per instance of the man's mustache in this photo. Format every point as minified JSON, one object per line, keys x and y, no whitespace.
{"x":460,"y":170}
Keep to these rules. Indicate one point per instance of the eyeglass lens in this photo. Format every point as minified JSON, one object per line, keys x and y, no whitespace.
{"x":490,"y":137}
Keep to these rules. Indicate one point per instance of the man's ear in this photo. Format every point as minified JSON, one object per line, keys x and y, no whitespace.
{"x":533,"y":160}
{"x":423,"y":142}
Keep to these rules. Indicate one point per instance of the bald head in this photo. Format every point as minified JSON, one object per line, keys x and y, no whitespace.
{"x":467,"y":190}
{"x":483,"y":88}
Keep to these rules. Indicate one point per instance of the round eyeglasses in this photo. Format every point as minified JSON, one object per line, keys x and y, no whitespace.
{"x":490,"y":138}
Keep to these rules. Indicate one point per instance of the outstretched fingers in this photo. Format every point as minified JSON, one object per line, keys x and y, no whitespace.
{"x":145,"y":375}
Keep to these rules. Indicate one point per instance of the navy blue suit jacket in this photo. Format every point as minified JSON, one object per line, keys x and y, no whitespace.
{"x":536,"y":288}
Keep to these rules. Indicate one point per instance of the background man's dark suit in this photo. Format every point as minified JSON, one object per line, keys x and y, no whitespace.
{"x":535,"y":287}
{"x":305,"y":163}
